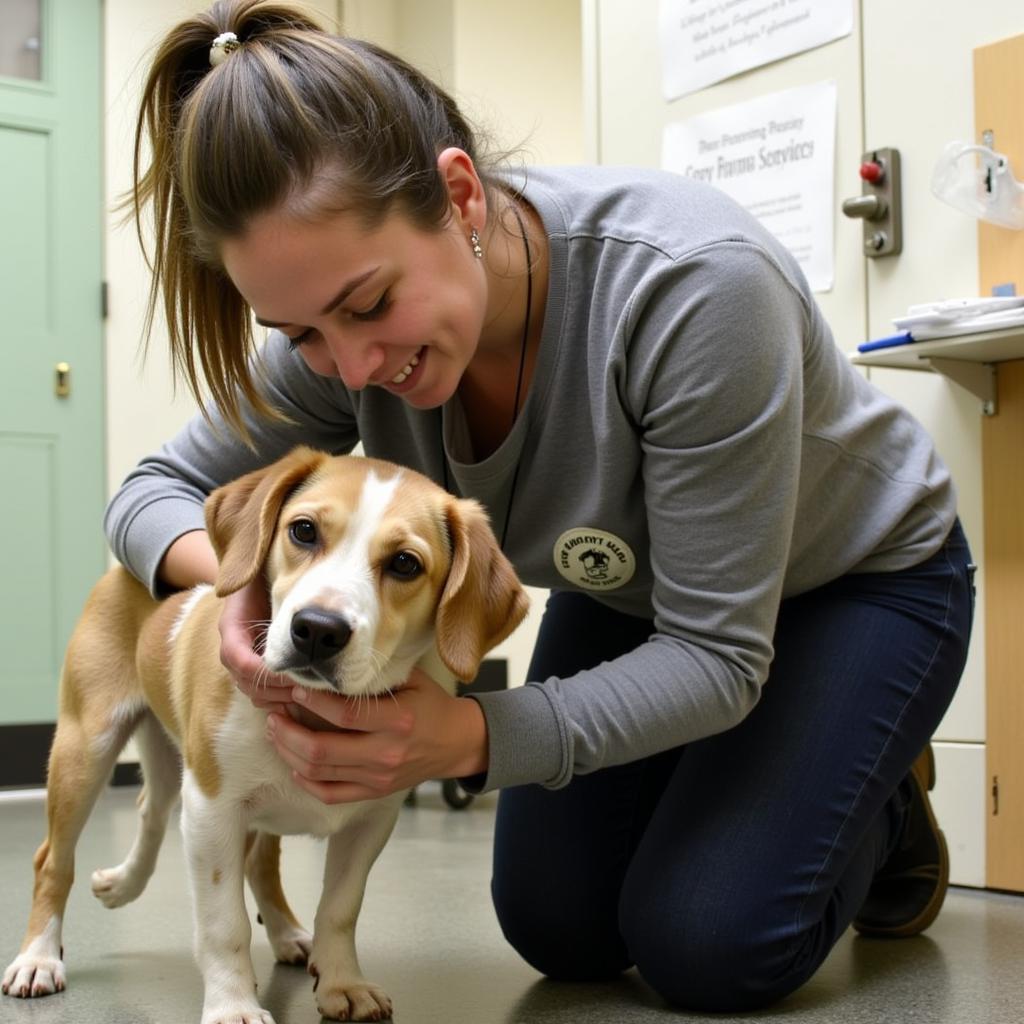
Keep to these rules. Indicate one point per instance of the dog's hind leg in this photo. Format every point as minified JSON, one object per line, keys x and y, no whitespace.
{"x":290,"y":942}
{"x":161,"y":772}
{"x":81,"y":761}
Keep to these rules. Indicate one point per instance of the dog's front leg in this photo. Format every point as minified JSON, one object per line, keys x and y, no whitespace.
{"x":342,"y":993}
{"x":214,"y":832}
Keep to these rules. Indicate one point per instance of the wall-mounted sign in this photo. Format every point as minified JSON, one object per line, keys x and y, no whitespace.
{"x":775,"y":156}
{"x":705,"y":41}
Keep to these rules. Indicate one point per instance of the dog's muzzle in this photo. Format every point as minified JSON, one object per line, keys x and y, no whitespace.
{"x":318,"y":636}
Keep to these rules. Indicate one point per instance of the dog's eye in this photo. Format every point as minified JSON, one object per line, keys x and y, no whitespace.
{"x":303,"y":532}
{"x":405,"y":566}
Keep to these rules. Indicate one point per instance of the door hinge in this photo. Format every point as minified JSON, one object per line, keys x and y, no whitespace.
{"x":104,"y":300}
{"x":995,"y":795}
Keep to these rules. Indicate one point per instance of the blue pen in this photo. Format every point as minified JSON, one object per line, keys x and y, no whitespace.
{"x":903,"y":338}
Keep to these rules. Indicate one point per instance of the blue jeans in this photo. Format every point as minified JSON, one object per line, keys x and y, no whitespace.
{"x":725,"y":870}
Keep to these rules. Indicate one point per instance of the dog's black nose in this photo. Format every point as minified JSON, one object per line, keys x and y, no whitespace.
{"x":319,"y":635}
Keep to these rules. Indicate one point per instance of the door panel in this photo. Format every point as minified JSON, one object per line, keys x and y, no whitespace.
{"x":25,"y":156}
{"x":27,"y":554}
{"x":51,"y":448}
{"x":960,"y":775}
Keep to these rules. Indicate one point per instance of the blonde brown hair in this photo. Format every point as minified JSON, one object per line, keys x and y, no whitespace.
{"x":295,"y":117}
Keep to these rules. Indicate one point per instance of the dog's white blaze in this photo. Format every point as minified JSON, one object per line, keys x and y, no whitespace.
{"x":346,"y":573}
{"x":344,"y":580}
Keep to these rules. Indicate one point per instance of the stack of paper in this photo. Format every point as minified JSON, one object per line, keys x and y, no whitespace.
{"x":951,"y":317}
{"x":961,"y":316}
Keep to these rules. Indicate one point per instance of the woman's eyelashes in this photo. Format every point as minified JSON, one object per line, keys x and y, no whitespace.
{"x":299,"y":339}
{"x":375,"y":312}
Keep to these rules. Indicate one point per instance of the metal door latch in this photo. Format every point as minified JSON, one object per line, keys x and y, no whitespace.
{"x":879,"y":205}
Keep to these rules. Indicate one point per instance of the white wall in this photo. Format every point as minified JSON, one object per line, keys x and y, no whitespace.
{"x":142,"y":408}
{"x":518,"y":72}
{"x":515,"y":69}
{"x":629,"y":112}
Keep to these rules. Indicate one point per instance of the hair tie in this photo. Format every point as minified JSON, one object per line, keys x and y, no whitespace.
{"x":223,"y":46}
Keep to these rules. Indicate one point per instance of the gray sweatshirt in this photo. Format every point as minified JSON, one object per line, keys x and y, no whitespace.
{"x":693,"y":448}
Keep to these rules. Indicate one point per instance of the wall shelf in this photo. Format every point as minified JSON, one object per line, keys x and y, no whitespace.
{"x":967,"y":359}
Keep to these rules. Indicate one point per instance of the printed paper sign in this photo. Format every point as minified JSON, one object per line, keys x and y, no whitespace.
{"x":775,"y":156}
{"x":705,"y":41}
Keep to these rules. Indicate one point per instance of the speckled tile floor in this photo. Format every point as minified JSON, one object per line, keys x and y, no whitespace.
{"x":429,"y":936}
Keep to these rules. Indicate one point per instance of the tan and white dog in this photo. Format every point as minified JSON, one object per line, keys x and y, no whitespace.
{"x":370,"y":569}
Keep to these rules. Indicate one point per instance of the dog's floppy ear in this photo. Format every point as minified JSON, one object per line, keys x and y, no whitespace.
{"x":241,"y":516}
{"x":483,"y":600}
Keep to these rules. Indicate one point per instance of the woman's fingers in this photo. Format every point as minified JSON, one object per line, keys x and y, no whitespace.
{"x":243,"y":625}
{"x":320,"y":755}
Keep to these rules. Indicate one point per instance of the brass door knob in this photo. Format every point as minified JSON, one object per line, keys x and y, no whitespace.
{"x":62,"y":380}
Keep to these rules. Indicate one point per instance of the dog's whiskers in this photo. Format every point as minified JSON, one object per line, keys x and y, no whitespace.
{"x":262,"y":677}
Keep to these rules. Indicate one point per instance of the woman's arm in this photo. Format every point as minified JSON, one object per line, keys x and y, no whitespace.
{"x":189,"y":561}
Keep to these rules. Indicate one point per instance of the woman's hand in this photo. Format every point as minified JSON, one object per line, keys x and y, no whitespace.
{"x":385,"y":744}
{"x":243,"y":629}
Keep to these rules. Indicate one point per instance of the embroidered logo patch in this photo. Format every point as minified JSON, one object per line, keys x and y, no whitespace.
{"x":594,"y":559}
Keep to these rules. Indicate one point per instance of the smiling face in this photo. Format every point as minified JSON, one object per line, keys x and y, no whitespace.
{"x":395,"y":306}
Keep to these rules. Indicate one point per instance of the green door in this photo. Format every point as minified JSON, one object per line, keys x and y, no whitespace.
{"x":51,"y":445}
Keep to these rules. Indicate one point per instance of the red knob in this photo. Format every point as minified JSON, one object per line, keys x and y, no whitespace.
{"x":872,"y":171}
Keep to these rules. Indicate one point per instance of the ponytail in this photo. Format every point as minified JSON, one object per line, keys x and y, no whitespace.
{"x":291,"y":117}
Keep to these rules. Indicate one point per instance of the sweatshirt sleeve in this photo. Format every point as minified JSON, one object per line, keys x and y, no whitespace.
{"x":162,"y":498}
{"x":713,"y":382}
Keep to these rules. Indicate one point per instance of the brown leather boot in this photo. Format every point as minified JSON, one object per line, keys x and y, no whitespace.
{"x":909,"y":888}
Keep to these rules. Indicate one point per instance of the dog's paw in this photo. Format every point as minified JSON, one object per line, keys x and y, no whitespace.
{"x":291,"y":945}
{"x":236,"y":1013}
{"x":114,"y":887}
{"x":32,"y":975}
{"x":358,"y":1000}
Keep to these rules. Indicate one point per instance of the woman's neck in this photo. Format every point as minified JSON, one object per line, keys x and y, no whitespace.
{"x":511,"y":280}
{"x":494,"y":387}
